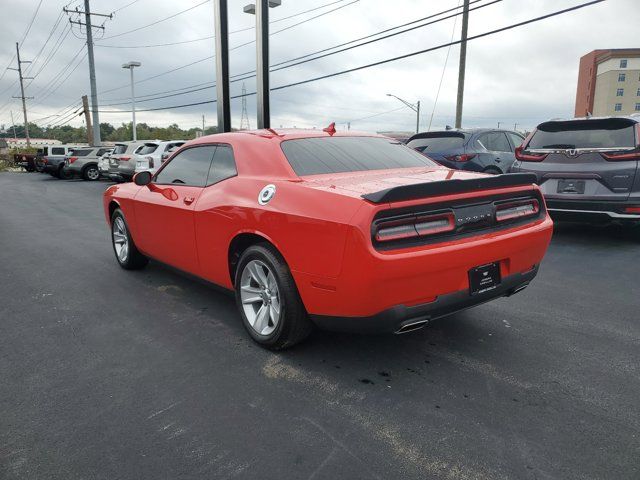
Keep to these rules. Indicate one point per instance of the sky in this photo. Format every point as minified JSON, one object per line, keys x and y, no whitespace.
{"x":519,"y":77}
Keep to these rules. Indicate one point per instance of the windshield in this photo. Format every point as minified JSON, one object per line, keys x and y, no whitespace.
{"x":438,"y":143}
{"x":605,"y":133}
{"x":313,"y":156}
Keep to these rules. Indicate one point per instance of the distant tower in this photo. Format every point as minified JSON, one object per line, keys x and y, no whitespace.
{"x":244,"y":120}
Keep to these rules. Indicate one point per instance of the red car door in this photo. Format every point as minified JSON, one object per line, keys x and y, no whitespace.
{"x":164,"y":209}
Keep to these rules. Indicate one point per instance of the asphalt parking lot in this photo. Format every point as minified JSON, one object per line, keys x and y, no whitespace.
{"x":109,"y":374}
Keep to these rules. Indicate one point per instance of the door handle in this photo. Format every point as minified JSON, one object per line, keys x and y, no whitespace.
{"x":188,"y":200}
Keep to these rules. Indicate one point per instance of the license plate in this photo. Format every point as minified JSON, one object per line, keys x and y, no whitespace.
{"x":484,"y":278}
{"x":571,"y":186}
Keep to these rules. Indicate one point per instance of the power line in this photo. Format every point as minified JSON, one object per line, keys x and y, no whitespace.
{"x":158,"y":21}
{"x":125,"y":6}
{"x":55,"y":26}
{"x":35,"y":14}
{"x":51,"y":92}
{"x":389,"y":60}
{"x":209,"y":37}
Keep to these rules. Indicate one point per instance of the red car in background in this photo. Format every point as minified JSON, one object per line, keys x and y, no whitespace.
{"x":346,"y":231}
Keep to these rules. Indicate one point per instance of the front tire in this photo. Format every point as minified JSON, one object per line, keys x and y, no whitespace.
{"x":126,"y":252}
{"x":268,"y":299}
{"x":91,"y":173}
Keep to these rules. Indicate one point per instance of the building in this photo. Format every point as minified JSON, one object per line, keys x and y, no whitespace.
{"x":35,"y":142}
{"x":609,"y":83}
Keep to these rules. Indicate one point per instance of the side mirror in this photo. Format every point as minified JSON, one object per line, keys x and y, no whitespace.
{"x":142,"y":178}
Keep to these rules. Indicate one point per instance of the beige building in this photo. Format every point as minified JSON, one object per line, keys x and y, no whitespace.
{"x":609,"y":83}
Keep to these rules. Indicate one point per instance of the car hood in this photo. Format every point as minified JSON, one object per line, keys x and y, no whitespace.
{"x":356,"y":184}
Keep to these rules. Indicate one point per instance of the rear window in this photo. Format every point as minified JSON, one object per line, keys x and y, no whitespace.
{"x":606,"y":133}
{"x":313,"y":156}
{"x":118,"y":149}
{"x":147,"y":149}
{"x":438,"y":143}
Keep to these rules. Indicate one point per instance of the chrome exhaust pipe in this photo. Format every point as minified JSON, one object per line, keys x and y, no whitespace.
{"x":518,"y":289}
{"x":412,"y":326}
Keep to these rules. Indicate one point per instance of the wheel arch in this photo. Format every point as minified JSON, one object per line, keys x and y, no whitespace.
{"x":239,"y":244}
{"x":112,"y":208}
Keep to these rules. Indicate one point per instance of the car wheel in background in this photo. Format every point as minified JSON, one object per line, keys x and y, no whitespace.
{"x":268,"y":299}
{"x":91,"y":173}
{"x":492,"y":170}
{"x":126,"y":252}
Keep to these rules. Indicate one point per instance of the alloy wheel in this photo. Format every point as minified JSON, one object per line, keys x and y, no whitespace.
{"x":120,"y":239}
{"x":260,"y":297}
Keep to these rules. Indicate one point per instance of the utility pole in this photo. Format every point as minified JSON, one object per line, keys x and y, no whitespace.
{"x":222,"y":65}
{"x":515,"y":127}
{"x":244,"y":118}
{"x":87,"y":119}
{"x":92,"y":68}
{"x":14,"y":126}
{"x":463,"y":63}
{"x":499,"y":124}
{"x":203,"y":125}
{"x":24,"y":99}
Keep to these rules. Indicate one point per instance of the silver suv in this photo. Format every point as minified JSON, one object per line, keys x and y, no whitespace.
{"x":122,"y":161}
{"x":587,"y":168}
{"x":84,"y":162}
{"x":154,"y":153}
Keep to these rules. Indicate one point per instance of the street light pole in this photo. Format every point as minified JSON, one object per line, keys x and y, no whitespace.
{"x":415,"y":108}
{"x":131,"y":66}
{"x":261,"y":11}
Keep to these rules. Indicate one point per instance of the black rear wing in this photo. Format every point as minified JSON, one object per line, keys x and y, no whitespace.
{"x":448,"y":187}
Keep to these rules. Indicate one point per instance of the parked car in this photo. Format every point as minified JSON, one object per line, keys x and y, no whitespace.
{"x":25,"y":160}
{"x":153,"y":154}
{"x":122,"y":162}
{"x":51,"y":151}
{"x":346,"y":231}
{"x":478,"y":150}
{"x":84,"y":163}
{"x":54,"y":164}
{"x":587,"y":168}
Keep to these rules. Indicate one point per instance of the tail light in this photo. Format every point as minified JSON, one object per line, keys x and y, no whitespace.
{"x":44,"y":160}
{"x":632,"y":209}
{"x":508,"y":211}
{"x":529,"y":157}
{"x":72,"y":159}
{"x":465,"y":157}
{"x":415,"y":227}
{"x":124,"y":159}
{"x":150,"y":160}
{"x":621,"y":157}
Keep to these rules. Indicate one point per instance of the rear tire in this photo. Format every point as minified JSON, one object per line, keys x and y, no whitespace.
{"x":62,"y":175}
{"x":268,"y":299}
{"x":127,"y":254}
{"x":91,"y":173}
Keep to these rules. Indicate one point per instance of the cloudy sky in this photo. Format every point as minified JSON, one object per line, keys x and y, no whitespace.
{"x":521,"y":76}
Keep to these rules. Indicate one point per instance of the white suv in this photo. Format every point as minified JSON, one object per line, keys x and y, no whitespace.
{"x":154,"y":153}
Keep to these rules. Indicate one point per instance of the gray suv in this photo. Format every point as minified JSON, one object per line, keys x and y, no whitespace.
{"x":84,"y":163}
{"x":587,"y":168}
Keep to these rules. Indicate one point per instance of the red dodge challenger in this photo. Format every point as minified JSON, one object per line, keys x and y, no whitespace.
{"x":351,"y":232}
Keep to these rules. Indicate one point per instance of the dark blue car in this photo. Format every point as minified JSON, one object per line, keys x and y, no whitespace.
{"x":479,"y":150}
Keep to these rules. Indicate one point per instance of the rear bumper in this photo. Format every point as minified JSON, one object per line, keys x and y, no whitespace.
{"x":401,"y":318}
{"x":592,"y":211}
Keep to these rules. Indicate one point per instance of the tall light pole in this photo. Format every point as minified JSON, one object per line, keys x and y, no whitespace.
{"x":463,"y":63}
{"x":261,"y":11}
{"x":131,"y":66}
{"x":415,"y":108}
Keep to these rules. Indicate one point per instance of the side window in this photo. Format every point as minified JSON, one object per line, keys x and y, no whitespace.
{"x":498,"y":142}
{"x":516,"y":139}
{"x":484,"y":141}
{"x":223,"y":165}
{"x":189,"y":167}
{"x":57,"y":151}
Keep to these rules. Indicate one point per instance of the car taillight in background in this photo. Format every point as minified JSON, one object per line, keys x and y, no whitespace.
{"x":632,"y":209}
{"x":72,"y":159}
{"x":529,"y":157}
{"x":508,"y":211}
{"x":44,"y":160}
{"x":415,"y":227}
{"x":150,"y":160}
{"x":123,"y":159}
{"x":465,"y":157}
{"x":621,"y":157}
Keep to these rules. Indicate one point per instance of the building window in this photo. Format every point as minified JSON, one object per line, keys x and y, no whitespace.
{"x":620,"y":92}
{"x":622,"y":77}
{"x":638,"y":93}
{"x":623,"y":63}
{"x":618,"y":107}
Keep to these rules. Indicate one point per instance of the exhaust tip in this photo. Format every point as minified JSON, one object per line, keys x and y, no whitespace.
{"x":412,"y":325}
{"x":519,"y":288}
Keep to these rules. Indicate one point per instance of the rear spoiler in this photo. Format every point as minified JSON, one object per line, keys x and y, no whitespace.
{"x":448,"y":187}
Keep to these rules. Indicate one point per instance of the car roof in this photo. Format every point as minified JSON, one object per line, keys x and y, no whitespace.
{"x":635,"y":117}
{"x":280,"y":134}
